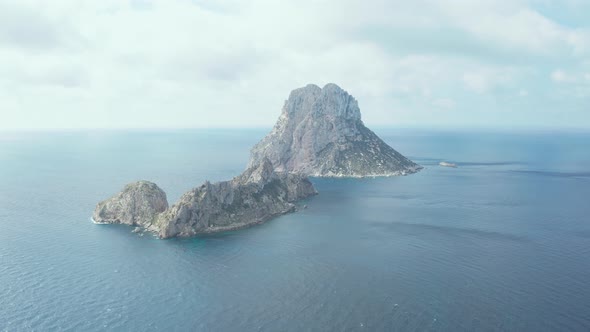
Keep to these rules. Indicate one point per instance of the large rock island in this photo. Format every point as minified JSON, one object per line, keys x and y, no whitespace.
{"x":320,"y":133}
{"x":253,"y":197}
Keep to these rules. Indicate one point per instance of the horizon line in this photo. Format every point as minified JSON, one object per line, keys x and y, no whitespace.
{"x":399,"y":126}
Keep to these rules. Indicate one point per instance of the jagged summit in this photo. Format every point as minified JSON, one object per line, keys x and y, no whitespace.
{"x":320,"y":133}
{"x":261,"y":173}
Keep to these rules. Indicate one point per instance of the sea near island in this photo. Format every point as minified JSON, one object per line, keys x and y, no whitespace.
{"x":500,"y":243}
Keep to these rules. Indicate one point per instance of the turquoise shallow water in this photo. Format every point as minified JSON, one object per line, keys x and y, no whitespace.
{"x":500,"y":243}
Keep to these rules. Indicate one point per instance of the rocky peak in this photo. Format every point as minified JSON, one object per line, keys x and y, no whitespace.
{"x":260,"y":173}
{"x":320,"y":133}
{"x":331,"y":100}
{"x":336,"y":103}
{"x":137,"y":204}
{"x":301,"y":99}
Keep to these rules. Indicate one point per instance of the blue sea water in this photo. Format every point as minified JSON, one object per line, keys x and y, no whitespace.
{"x":501,"y":243}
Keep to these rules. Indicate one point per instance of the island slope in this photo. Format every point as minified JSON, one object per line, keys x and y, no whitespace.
{"x":320,"y":133}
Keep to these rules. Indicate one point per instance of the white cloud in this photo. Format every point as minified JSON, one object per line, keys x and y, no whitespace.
{"x":476,"y":82}
{"x":485,"y":79}
{"x":513,"y":26}
{"x":114,"y":63}
{"x":561,"y":76}
{"x":444,"y":103}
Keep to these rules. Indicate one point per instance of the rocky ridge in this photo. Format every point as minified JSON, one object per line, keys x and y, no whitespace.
{"x":255,"y":196}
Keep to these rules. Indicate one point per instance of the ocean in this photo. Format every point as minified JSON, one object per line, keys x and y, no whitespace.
{"x":501,"y":243}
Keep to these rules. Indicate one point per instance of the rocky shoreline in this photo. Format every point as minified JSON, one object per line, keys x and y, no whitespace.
{"x":405,"y":172}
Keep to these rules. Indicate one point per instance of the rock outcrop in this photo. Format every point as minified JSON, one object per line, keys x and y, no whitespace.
{"x":138,"y":204}
{"x":253,"y":197}
{"x":320,"y":133}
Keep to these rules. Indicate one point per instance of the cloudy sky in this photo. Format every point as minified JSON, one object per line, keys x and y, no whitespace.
{"x":232,"y":63}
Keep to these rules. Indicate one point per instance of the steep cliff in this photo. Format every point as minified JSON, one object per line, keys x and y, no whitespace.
{"x":320,"y":133}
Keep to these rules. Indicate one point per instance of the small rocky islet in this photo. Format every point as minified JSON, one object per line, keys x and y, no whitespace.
{"x":319,"y":133}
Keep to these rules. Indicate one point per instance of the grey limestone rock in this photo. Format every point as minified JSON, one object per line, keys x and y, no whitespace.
{"x":255,"y":196}
{"x":138,"y":204}
{"x":320,"y":133}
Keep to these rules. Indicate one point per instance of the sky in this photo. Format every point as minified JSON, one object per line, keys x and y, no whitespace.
{"x":76,"y":64}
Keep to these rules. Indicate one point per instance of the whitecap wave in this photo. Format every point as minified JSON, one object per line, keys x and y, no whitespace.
{"x":97,"y":222}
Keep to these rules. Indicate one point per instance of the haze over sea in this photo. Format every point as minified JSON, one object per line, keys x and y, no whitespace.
{"x":500,"y":243}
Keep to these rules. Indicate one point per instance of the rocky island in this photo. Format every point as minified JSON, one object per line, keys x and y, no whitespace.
{"x":253,"y":197}
{"x":138,"y":204}
{"x":320,"y":133}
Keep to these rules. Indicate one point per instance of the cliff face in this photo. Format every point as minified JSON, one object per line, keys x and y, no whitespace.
{"x":253,"y":197}
{"x":320,"y":133}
